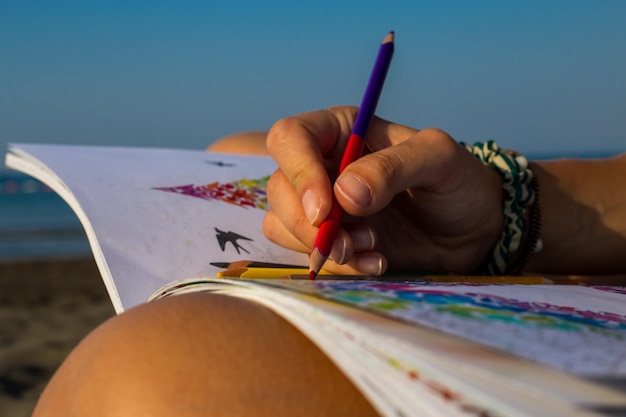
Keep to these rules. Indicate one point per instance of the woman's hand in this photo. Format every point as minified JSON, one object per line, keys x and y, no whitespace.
{"x":416,"y":201}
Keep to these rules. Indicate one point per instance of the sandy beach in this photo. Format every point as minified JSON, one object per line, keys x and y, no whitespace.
{"x":46,"y":308}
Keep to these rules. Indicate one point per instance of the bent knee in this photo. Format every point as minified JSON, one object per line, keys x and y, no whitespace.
{"x":195,"y":354}
{"x":150,"y":354}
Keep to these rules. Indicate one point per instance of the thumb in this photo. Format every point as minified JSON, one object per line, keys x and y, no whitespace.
{"x":368,"y":185}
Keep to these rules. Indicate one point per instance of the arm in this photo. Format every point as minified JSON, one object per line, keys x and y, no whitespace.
{"x":583,"y":208}
{"x":247,"y":143}
{"x":420,"y":188}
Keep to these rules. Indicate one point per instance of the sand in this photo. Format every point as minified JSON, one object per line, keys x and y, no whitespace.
{"x":46,"y":308}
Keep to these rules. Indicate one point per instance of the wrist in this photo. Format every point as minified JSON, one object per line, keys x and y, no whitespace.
{"x":491,"y":222}
{"x":520,"y":206}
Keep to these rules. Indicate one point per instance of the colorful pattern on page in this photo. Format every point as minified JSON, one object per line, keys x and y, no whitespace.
{"x":571,"y":339}
{"x":243,"y":193}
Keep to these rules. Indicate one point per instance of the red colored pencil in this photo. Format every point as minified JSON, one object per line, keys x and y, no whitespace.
{"x":354,"y":148}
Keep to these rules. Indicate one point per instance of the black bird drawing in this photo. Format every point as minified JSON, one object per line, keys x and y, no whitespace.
{"x":224,"y":237}
{"x":221,"y":163}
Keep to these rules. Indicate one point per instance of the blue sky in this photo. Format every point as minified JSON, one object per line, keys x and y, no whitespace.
{"x":537,"y":76}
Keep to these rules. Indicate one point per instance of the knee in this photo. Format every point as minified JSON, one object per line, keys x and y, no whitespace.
{"x":152,"y":358}
{"x":199,"y":354}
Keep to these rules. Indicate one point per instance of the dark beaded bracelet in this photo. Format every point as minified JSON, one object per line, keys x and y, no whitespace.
{"x":520,"y":236}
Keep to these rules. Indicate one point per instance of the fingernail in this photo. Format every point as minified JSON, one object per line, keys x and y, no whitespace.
{"x":338,"y":251}
{"x":355,"y":190}
{"x":363,"y":238}
{"x":370,"y":264}
{"x":311,"y":204}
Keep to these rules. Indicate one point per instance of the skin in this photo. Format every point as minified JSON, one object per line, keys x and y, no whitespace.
{"x":199,"y":355}
{"x":249,"y":143}
{"x":583,"y":208}
{"x":409,"y":178}
{"x":448,"y":202}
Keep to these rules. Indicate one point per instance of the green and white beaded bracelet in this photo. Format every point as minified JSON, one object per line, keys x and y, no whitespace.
{"x":520,"y":238}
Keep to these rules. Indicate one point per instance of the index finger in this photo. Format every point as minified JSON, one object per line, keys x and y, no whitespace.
{"x":302,"y":145}
{"x":310,"y":145}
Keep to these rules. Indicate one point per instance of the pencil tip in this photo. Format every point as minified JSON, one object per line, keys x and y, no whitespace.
{"x":389,"y":38}
{"x":316,"y":263}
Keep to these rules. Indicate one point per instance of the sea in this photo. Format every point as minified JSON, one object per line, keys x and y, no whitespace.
{"x":36,"y":224}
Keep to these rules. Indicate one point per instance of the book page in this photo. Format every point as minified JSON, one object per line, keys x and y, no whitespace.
{"x":157,"y":215}
{"x":576,"y":329}
{"x":439,"y":349}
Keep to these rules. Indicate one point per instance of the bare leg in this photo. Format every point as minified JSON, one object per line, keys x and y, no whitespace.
{"x":199,"y":355}
{"x":249,"y":143}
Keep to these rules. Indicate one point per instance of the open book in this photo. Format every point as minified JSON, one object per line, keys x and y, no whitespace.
{"x":157,"y":215}
{"x":157,"y":218}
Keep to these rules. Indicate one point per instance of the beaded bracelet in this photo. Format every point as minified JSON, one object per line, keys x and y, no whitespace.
{"x":520,"y":238}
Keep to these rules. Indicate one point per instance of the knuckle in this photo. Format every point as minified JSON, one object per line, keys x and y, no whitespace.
{"x":269,"y":226}
{"x":437,"y":139}
{"x":299,"y":174}
{"x":387,"y":166}
{"x":272,"y":188}
{"x":280,"y":132}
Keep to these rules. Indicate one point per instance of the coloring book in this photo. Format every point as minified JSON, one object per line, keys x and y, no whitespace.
{"x":157,"y":215}
{"x":157,"y":219}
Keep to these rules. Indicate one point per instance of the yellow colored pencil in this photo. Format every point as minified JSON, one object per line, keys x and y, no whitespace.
{"x":264,"y":273}
{"x":302,"y":273}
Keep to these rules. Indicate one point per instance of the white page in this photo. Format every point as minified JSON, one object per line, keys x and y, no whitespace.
{"x":143,"y":238}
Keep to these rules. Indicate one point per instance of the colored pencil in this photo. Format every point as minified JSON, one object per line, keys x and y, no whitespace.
{"x":354,"y":148}
{"x":253,"y":264}
{"x":263,"y":273}
{"x":283,"y":272}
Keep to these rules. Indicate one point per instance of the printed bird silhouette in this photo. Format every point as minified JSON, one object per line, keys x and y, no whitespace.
{"x":221,"y":163}
{"x":224,"y":237}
